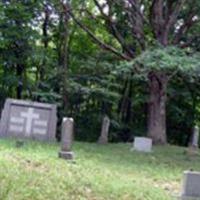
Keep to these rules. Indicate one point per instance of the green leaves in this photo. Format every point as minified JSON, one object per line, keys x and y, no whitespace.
{"x":169,"y":60}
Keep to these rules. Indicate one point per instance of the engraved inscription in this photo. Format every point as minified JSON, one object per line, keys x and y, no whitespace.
{"x":28,"y":122}
{"x":28,"y":119}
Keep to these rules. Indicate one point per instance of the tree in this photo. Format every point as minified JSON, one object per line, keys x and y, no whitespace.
{"x":136,"y":25}
{"x":16,"y":40}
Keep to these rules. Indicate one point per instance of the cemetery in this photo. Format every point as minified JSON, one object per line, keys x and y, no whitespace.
{"x":30,"y":154}
{"x":100,"y":100}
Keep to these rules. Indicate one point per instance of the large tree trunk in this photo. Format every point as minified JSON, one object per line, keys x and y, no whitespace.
{"x":157,"y":108}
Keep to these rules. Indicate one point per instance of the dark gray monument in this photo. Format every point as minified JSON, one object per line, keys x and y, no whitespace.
{"x":191,"y":186}
{"x":27,"y":119}
{"x":67,"y":139}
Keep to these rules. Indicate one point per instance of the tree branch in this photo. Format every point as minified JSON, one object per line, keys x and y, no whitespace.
{"x":185,"y":27}
{"x":97,"y":40}
{"x":171,"y":20}
{"x":113,"y":28}
{"x":157,"y":18}
{"x":136,"y":19}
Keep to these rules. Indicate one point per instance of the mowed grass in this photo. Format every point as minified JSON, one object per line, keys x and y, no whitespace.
{"x":108,"y":172}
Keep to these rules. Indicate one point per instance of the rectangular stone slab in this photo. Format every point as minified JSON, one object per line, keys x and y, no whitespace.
{"x":142,"y":144}
{"x":27,"y":119}
{"x":191,"y":186}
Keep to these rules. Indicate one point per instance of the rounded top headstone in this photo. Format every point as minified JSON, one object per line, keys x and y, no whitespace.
{"x":68,"y":119}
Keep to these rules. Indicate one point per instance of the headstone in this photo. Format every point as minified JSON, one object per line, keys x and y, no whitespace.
{"x":27,"y":119}
{"x":103,"y":139}
{"x":142,"y":144}
{"x":191,"y":186}
{"x":195,"y":137}
{"x":67,"y":139}
{"x":194,"y":143}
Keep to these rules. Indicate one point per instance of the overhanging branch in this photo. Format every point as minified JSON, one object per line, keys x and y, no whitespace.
{"x":97,"y":40}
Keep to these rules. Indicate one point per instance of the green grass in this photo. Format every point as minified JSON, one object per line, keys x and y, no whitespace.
{"x":112,"y":172}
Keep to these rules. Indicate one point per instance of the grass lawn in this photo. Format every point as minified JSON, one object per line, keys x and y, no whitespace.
{"x":110,"y":172}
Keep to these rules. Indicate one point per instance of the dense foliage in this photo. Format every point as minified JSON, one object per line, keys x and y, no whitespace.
{"x":48,"y":55}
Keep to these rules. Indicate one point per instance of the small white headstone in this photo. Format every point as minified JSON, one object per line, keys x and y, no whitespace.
{"x":142,"y":144}
{"x":191,"y":186}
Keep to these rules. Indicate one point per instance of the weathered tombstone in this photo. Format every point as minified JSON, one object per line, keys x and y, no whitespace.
{"x":67,"y":139}
{"x":195,"y":137}
{"x":194,"y":143}
{"x":191,"y":186}
{"x":27,"y":119}
{"x":103,"y":139}
{"x":142,"y":144}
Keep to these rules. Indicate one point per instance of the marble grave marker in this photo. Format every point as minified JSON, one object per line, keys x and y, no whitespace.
{"x":27,"y":119}
{"x":142,"y":144}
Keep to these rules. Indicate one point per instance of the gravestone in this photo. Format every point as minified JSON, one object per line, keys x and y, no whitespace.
{"x":142,"y":144}
{"x":195,"y":137}
{"x":27,"y":119}
{"x":103,"y":139}
{"x":67,"y":139}
{"x":194,"y":143}
{"x":191,"y":186}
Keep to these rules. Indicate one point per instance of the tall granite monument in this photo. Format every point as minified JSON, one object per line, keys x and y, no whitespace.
{"x":27,"y":119}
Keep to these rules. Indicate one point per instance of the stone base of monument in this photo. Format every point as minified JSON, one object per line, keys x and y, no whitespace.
{"x":191,"y":186}
{"x":142,"y":144}
{"x":67,"y":155}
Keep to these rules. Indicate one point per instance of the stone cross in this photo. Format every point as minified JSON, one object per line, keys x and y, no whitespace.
{"x":103,"y":139}
{"x":67,"y":139}
{"x":29,"y":116}
{"x":191,"y":186}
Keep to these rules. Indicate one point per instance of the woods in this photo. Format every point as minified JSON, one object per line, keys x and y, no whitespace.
{"x":136,"y":61}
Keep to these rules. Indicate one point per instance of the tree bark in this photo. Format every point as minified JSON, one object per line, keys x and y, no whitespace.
{"x":156,"y":108}
{"x":63,"y":57}
{"x":19,"y":88}
{"x":45,"y":41}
